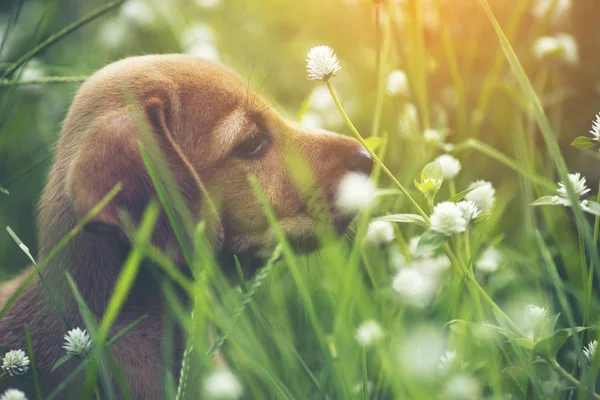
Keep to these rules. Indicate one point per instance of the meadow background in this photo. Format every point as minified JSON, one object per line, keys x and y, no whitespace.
{"x":460,"y":85}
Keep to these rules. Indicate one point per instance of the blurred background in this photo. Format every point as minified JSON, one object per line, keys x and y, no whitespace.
{"x":469,"y":91}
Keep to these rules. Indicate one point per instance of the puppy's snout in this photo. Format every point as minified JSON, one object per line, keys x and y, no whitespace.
{"x":359,"y":160}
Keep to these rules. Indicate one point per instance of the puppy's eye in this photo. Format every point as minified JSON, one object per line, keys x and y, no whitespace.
{"x":253,"y":147}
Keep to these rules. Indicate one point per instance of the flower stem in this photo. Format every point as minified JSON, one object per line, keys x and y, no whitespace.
{"x":365,"y":380}
{"x":372,"y":153}
{"x":565,"y":374}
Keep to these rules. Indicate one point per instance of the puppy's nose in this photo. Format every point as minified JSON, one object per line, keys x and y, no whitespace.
{"x":359,"y":160}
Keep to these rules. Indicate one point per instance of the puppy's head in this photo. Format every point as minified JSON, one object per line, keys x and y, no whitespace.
{"x":208,"y":124}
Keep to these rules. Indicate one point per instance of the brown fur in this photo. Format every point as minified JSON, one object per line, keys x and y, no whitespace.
{"x":204,"y":111}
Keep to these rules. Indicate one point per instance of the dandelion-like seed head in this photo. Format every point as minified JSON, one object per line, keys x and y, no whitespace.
{"x":447,"y":219}
{"x":380,"y":232}
{"x":590,"y":350}
{"x":595,"y":131}
{"x":368,"y":333}
{"x":489,"y":261}
{"x":535,"y":313}
{"x":13,"y":394}
{"x":15,"y":362}
{"x":397,"y":83}
{"x":450,"y":166}
{"x":356,"y":192}
{"x":483,"y":195}
{"x":447,"y":361}
{"x":77,"y":342}
{"x":469,"y":210}
{"x":222,"y":384}
{"x":322,"y":64}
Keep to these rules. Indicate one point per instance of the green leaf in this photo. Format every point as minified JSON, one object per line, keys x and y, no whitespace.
{"x":459,"y":326}
{"x":592,"y":207}
{"x":61,"y":361}
{"x":548,"y":346}
{"x":430,"y":241}
{"x":481,"y":218}
{"x":2,"y":190}
{"x":526,"y":343}
{"x":460,"y":195}
{"x":404,"y":218}
{"x":583,"y":142}
{"x":561,"y":394}
{"x":544,"y":201}
{"x":431,"y":178}
{"x":374,"y":142}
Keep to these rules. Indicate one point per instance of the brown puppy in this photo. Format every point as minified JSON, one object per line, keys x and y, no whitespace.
{"x":207,"y":123}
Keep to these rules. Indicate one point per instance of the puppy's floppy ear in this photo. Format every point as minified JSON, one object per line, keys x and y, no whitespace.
{"x":110,"y":154}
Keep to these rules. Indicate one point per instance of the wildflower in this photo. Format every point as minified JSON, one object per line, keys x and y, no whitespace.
{"x":222,"y":384}
{"x":447,"y":361}
{"x":590,"y":351}
{"x":535,"y":313}
{"x":447,"y":219}
{"x":468,"y":210}
{"x":408,"y":119}
{"x":312,"y":120}
{"x":414,"y":286}
{"x":356,"y":192}
{"x":562,"y":47}
{"x":113,"y":33}
{"x":197,"y":33}
{"x":595,"y":131}
{"x":380,"y":232}
{"x":483,"y":195}
{"x":13,"y":394}
{"x":463,"y":387}
{"x":553,"y":9}
{"x":450,"y":166}
{"x":368,"y":333}
{"x":207,"y":51}
{"x":420,"y":352}
{"x":322,"y":63}
{"x":433,"y":136}
{"x":15,"y":362}
{"x":77,"y":342}
{"x":397,"y":83}
{"x":138,"y":11}
{"x":579,"y":186}
{"x":489,"y":260}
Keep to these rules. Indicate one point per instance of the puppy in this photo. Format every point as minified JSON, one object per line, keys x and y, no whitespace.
{"x":213,"y":131}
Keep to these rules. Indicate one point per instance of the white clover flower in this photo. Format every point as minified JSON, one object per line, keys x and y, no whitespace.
{"x":579,"y":185}
{"x":420,"y":352}
{"x":469,"y":210}
{"x":197,"y":33}
{"x":380,"y":232}
{"x":77,"y":342}
{"x":13,"y":394}
{"x":447,"y":361}
{"x":207,"y":51}
{"x":562,"y":47}
{"x":450,"y":166}
{"x":414,"y":286}
{"x":595,"y":131}
{"x":15,"y":362}
{"x":322,"y":63}
{"x":489,"y":260}
{"x":447,"y":219}
{"x":139,"y":11}
{"x":208,"y":3}
{"x":356,"y":192}
{"x":535,"y":313}
{"x":433,"y":136}
{"x":397,"y":83}
{"x":222,"y":384}
{"x":463,"y":387}
{"x":590,"y":351}
{"x":553,"y":9}
{"x":368,"y":333}
{"x":483,"y":195}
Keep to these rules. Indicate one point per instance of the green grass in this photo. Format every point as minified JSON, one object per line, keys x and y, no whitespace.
{"x":290,"y":331}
